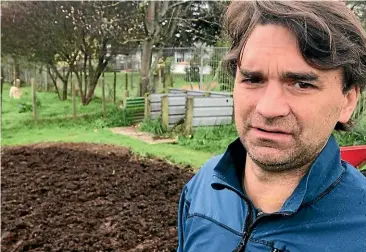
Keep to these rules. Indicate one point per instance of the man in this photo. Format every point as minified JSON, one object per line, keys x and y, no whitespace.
{"x":281,"y":186}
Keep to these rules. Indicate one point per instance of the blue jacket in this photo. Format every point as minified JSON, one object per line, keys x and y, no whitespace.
{"x":326,"y":212}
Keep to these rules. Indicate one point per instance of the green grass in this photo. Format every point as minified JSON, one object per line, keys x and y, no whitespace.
{"x":81,"y":132}
{"x":52,"y":126}
{"x":210,"y":139}
{"x":49,"y":106}
{"x":153,"y":126}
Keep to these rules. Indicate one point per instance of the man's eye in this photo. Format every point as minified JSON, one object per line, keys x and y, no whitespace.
{"x":251,"y":80}
{"x":303,"y":85}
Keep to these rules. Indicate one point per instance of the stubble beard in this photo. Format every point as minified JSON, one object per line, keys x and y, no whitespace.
{"x":300,"y":157}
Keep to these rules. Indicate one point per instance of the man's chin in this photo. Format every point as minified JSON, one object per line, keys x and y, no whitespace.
{"x":272,"y":159}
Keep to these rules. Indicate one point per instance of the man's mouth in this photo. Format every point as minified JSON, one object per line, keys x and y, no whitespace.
{"x":272,"y":130}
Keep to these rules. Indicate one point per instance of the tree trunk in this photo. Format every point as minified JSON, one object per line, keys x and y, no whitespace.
{"x":94,"y":75}
{"x":64,"y":78}
{"x":147,"y":49}
{"x":54,"y":81}
{"x":79,"y":77}
{"x":65,"y":81}
{"x":16,"y":69}
{"x":92,"y":85}
{"x":145,"y":66}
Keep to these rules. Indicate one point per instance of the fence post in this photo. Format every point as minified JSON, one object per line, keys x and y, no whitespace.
{"x":34,"y":101}
{"x":73,"y":98}
{"x":131,"y":80}
{"x":189,"y":116}
{"x":126,"y":86}
{"x":114,"y":86}
{"x":201,"y":69}
{"x":165,"y":110}
{"x":126,"y":81}
{"x":147,"y":106}
{"x":103,"y":96}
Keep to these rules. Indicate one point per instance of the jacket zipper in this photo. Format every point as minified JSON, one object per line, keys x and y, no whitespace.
{"x":248,"y":223}
{"x":249,"y":226}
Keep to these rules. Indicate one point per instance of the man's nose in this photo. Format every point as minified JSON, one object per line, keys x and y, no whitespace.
{"x":273,"y":102}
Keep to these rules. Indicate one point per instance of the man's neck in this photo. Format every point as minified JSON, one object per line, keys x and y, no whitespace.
{"x":269,"y":190}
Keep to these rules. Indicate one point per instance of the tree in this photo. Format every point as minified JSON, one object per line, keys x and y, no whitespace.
{"x":78,"y":37}
{"x":101,"y":30}
{"x":38,"y":31}
{"x":176,"y":23}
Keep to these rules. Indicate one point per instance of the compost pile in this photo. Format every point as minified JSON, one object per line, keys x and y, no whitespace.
{"x":88,"y":197}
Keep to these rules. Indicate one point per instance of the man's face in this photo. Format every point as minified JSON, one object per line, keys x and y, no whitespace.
{"x":285,"y":110}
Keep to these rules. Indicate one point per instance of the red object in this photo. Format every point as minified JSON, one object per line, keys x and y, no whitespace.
{"x":355,"y":155}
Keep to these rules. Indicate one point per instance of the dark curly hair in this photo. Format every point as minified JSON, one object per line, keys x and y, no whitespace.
{"x":329,"y":35}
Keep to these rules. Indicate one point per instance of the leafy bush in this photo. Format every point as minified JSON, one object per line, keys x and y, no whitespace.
{"x":210,"y":139}
{"x":154,"y":126}
{"x":115,"y":118}
{"x":24,"y":107}
{"x":27,"y":106}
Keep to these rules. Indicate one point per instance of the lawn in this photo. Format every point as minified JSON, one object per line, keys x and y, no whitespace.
{"x":52,"y":126}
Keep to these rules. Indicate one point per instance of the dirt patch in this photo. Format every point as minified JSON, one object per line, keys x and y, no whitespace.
{"x":143,"y":136}
{"x":87,"y":197}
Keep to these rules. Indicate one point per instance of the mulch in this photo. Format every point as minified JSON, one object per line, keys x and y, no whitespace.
{"x":88,"y":197}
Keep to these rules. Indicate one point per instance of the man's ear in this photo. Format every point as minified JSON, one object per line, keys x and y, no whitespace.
{"x":349,"y":104}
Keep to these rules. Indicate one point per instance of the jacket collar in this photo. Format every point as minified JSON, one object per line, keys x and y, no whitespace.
{"x":321,"y":177}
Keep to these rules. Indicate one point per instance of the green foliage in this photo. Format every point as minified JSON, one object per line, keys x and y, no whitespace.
{"x":115,"y":118}
{"x":193,"y":71}
{"x":154,"y":126}
{"x":210,"y":139}
{"x":356,"y":136}
{"x":168,"y":64}
{"x":26,"y":105}
{"x":215,"y":139}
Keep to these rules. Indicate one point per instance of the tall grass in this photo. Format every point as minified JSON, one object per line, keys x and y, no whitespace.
{"x":210,"y":139}
{"x":154,"y":126}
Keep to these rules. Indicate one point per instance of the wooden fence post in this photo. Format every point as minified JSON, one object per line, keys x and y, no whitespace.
{"x":165,"y":110}
{"x":189,"y":116}
{"x":126,"y":81}
{"x":147,"y":106}
{"x":34,"y":101}
{"x":103,"y":96}
{"x":125,"y":95}
{"x":114,"y":86}
{"x":131,"y":80}
{"x":73,"y":98}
